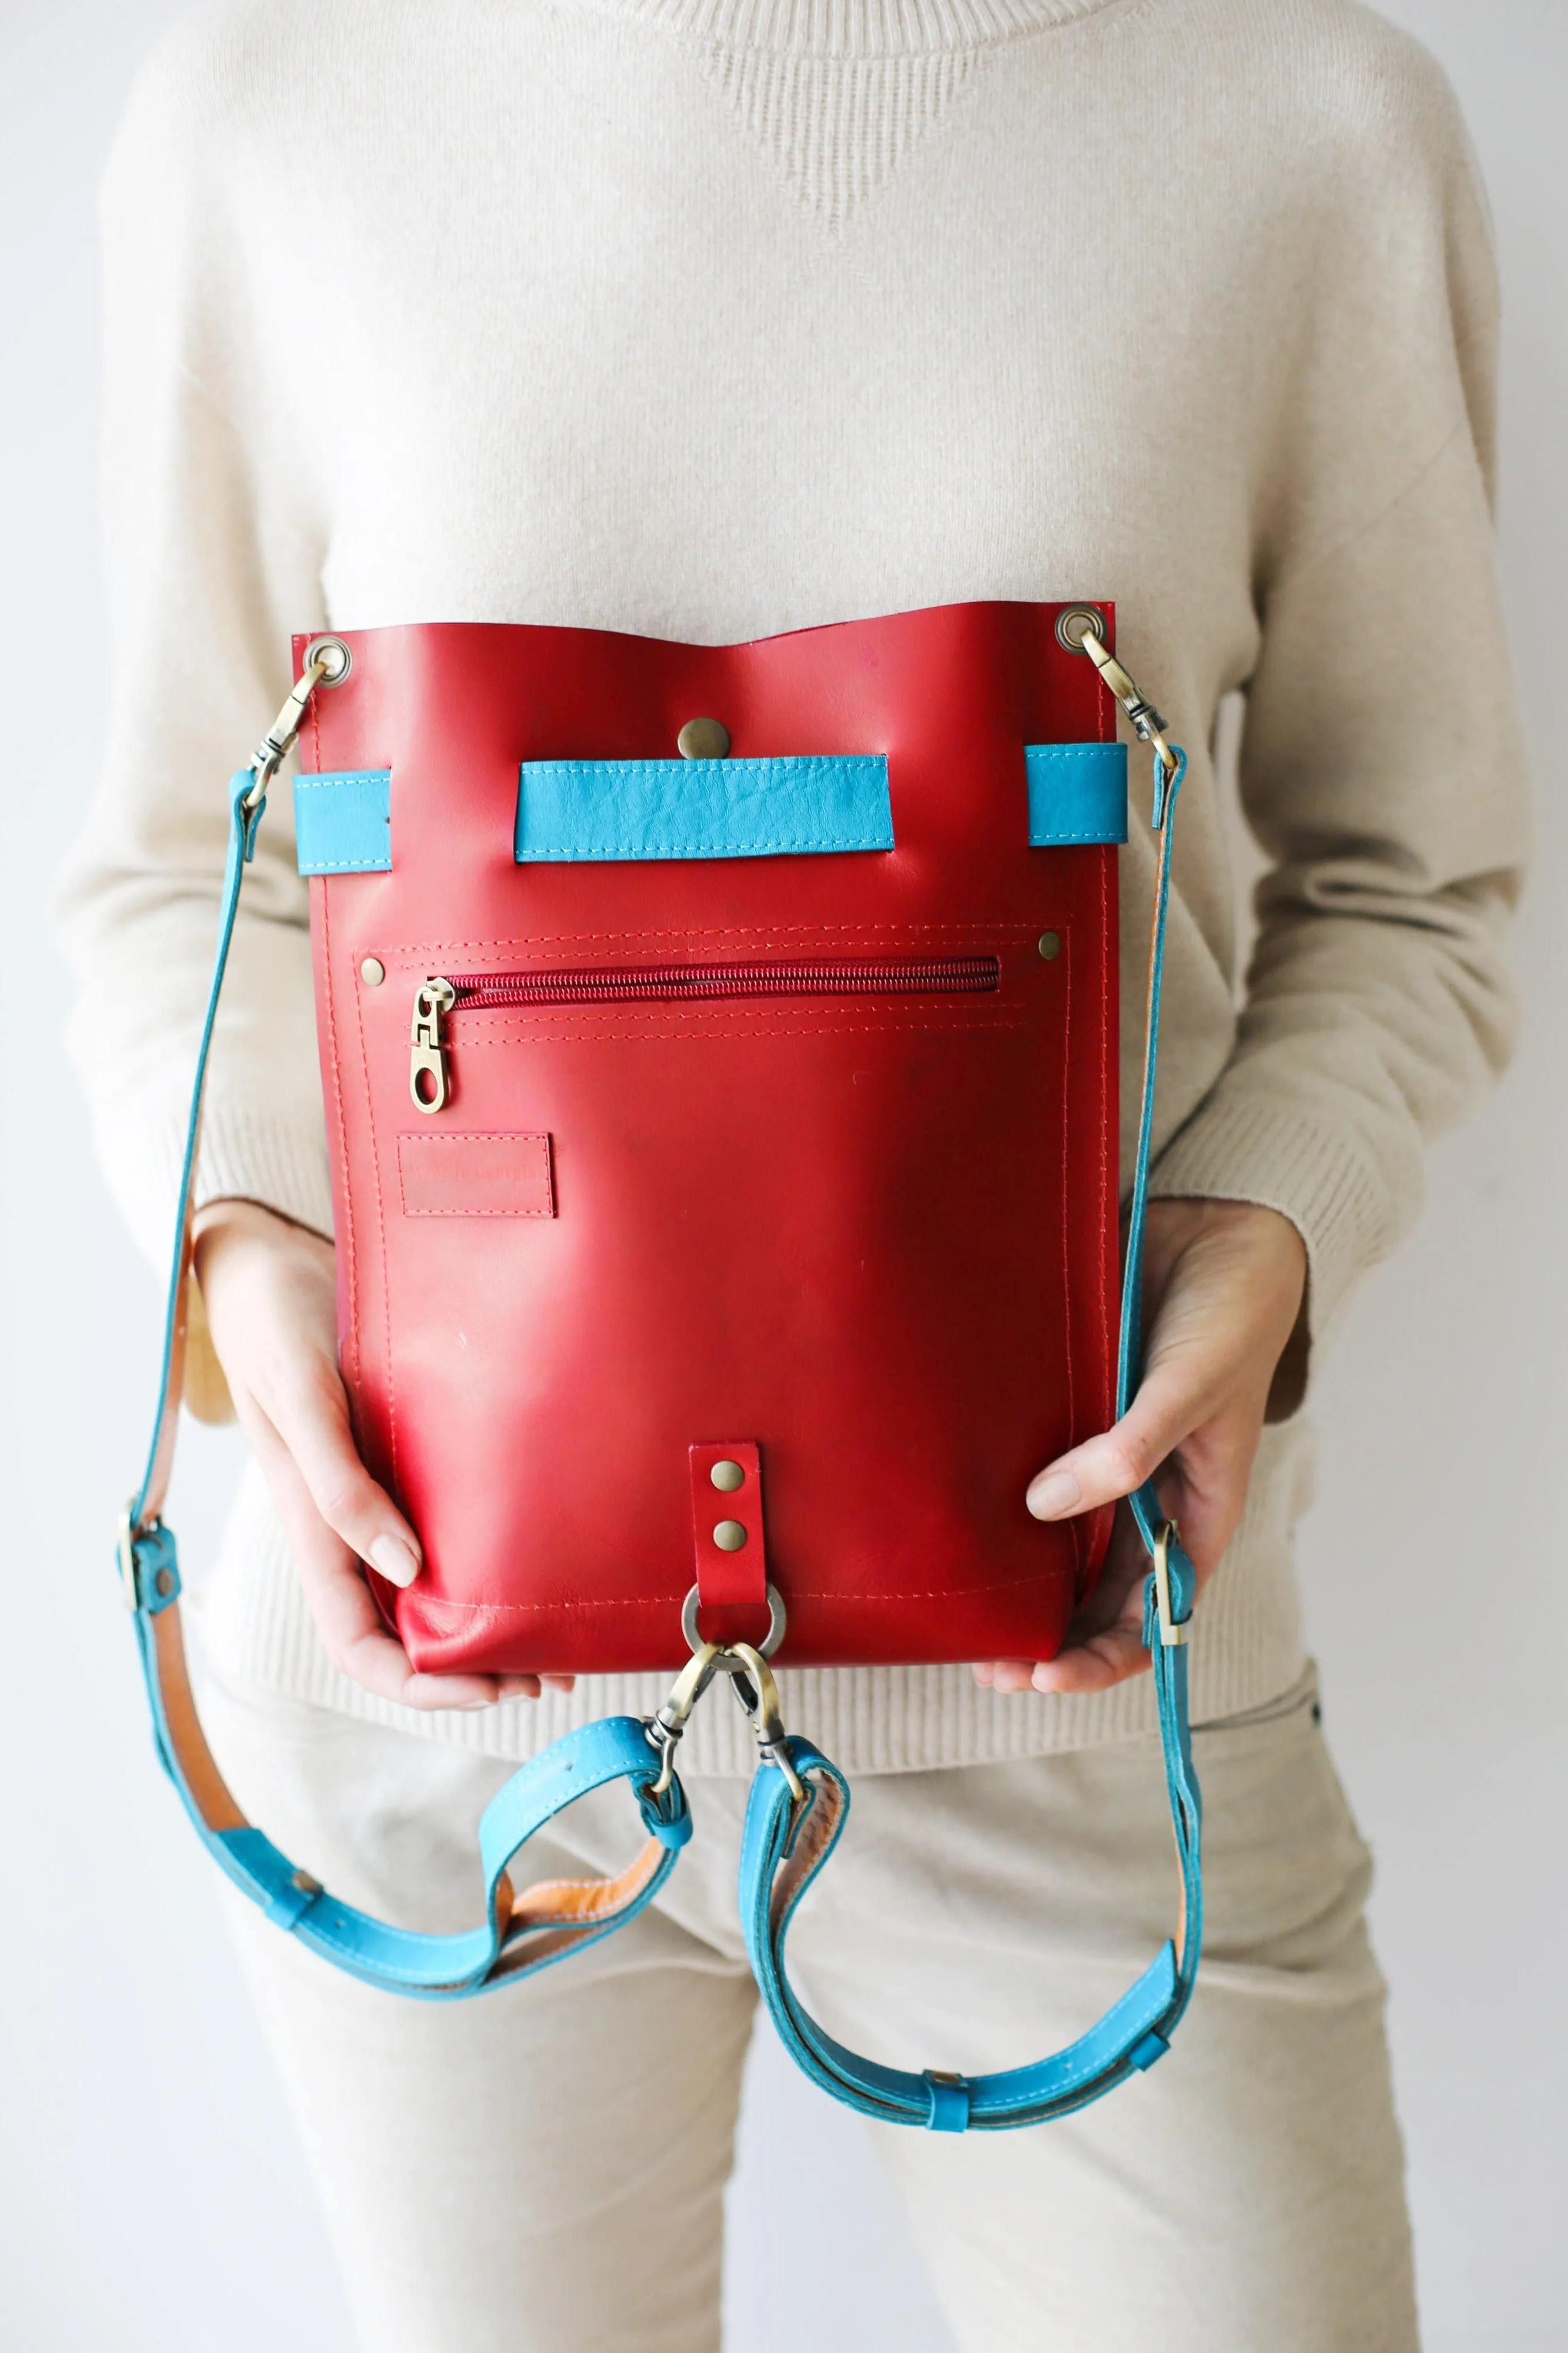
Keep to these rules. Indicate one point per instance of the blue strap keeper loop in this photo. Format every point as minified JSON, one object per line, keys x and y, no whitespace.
{"x":948,"y":2102}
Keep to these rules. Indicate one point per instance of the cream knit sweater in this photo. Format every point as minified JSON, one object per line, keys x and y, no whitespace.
{"x":712,"y":318}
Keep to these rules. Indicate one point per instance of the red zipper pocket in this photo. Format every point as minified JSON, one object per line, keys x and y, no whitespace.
{"x":677,"y":983}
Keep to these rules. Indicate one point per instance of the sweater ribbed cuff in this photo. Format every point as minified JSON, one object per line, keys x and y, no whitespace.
{"x":1350,"y":1213}
{"x":266,"y":1156}
{"x":259,"y":1159}
{"x":245,"y":1155}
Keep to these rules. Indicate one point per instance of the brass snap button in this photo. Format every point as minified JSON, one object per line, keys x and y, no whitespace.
{"x":727,"y":1477}
{"x":729,"y":1536}
{"x":372,"y":972}
{"x":703,"y":739}
{"x":1050,"y":945}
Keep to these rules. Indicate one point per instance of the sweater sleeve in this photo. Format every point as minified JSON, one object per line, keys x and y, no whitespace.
{"x":1382,"y":771}
{"x":212,"y":558}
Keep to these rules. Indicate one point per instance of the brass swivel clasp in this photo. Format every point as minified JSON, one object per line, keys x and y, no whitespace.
{"x":1145,"y":720}
{"x":751,"y":1681}
{"x":1079,"y":629}
{"x":665,"y":1729}
{"x":327,"y":664}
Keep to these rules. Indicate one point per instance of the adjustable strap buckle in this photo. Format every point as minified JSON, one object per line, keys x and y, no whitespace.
{"x":1172,"y":1630}
{"x":149,"y":1565}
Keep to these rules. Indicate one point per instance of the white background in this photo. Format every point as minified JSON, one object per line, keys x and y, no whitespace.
{"x":151,"y":2193}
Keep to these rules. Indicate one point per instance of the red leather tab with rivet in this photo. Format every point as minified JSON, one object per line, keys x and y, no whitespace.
{"x":728,"y":1540}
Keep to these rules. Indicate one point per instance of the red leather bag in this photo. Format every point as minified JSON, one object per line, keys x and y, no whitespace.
{"x":724,"y":1157}
{"x":793,"y":1166}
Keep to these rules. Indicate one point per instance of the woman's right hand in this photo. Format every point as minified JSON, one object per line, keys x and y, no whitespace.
{"x":270,"y":1289}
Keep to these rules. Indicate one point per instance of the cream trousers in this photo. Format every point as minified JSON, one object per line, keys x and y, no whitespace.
{"x":542,"y":2169}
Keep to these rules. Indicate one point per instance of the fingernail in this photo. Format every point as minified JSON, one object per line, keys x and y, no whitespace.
{"x":393,"y":1559}
{"x":478,"y":1702}
{"x":1053,"y":1494}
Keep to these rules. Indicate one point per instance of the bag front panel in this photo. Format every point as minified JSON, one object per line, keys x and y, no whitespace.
{"x":849,"y":1192}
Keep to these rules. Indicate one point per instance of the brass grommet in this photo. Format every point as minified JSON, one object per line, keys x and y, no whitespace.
{"x":1050,"y":945}
{"x":727,"y":1477}
{"x":1074,"y":623}
{"x":703,"y":739}
{"x":372,"y":972}
{"x":729,"y":1536}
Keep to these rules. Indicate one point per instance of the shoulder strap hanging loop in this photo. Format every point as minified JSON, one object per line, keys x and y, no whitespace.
{"x":798,"y":1800}
{"x":787,"y":1841}
{"x":522,"y":1932}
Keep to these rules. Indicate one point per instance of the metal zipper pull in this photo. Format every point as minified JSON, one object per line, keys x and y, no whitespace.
{"x":427,"y":1054}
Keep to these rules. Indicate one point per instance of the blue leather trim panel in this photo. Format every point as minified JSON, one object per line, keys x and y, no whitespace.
{"x":588,"y":809}
{"x":342,"y":823}
{"x":1078,"y":792}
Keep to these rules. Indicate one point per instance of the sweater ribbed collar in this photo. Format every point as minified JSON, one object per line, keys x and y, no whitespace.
{"x":857,"y":28}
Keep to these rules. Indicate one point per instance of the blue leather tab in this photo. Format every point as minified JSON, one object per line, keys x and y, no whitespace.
{"x":342,"y":823}
{"x":1078,"y":792}
{"x":587,"y":810}
{"x":1144,"y":2055}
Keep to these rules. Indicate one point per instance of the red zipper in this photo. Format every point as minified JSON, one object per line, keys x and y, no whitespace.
{"x":677,"y":983}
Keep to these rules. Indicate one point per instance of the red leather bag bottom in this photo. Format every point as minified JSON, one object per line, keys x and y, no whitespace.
{"x":871,"y":1234}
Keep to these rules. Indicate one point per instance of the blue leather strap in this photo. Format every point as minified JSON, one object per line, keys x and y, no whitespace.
{"x":787,"y":1840}
{"x":521,"y":1932}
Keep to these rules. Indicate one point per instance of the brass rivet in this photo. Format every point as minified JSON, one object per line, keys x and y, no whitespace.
{"x":163,"y":1584}
{"x":727,"y":1477}
{"x":729,"y":1536}
{"x":703,"y":739}
{"x":1050,"y":945}
{"x":372,"y":972}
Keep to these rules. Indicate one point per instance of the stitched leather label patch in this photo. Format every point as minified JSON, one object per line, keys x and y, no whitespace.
{"x":475,"y":1176}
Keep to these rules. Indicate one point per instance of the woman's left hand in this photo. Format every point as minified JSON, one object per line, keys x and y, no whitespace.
{"x":1223,"y":1295}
